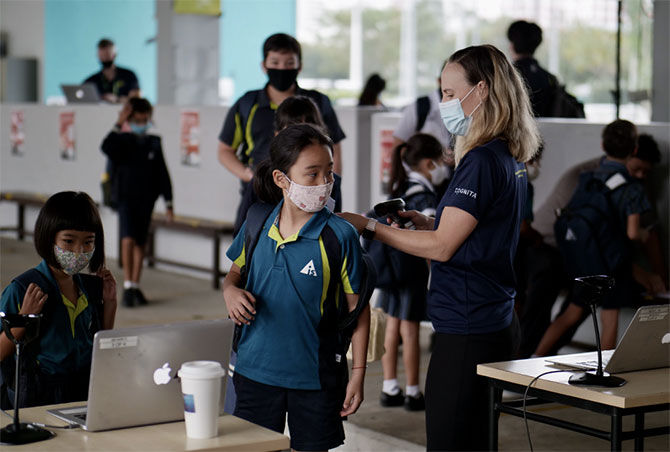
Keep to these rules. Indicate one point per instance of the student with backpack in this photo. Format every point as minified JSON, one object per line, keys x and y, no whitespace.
{"x":306,"y":265}
{"x":417,"y":167}
{"x":244,"y":141}
{"x":594,"y":233}
{"x":140,"y":176}
{"x":74,"y":306}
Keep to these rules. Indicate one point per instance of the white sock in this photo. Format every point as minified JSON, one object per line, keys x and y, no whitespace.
{"x":391,"y":387}
{"x":134,"y":285}
{"x":127,"y":284}
{"x":412,"y":391}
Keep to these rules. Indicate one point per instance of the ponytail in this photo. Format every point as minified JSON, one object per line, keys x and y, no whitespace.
{"x":264,"y":184}
{"x":398,"y":173}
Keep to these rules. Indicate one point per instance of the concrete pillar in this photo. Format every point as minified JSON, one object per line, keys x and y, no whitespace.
{"x":660,"y":82}
{"x":188,"y":57}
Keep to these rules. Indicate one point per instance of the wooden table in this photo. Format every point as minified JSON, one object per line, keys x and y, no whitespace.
{"x":235,"y":434}
{"x":644,"y":392}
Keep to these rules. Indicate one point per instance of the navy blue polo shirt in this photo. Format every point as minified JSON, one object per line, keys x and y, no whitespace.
{"x":256,"y":133}
{"x":121,"y":85}
{"x":289,"y":278}
{"x":66,"y":344}
{"x":630,"y":199}
{"x":473,"y":292}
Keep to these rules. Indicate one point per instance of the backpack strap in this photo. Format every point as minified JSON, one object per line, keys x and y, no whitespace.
{"x":422,"y":109}
{"x":92,"y":287}
{"x":257,"y":215}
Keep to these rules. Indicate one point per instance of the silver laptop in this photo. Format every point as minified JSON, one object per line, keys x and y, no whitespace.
{"x":134,"y":372}
{"x":81,"y":94}
{"x":644,"y":345}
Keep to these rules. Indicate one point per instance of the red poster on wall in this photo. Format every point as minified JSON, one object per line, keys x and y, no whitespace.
{"x":386,"y":144}
{"x":66,"y":134}
{"x":190,"y":138}
{"x":16,"y":133}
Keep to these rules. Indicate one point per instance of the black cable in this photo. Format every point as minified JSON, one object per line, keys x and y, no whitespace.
{"x":525,"y":396}
{"x":39,"y":424}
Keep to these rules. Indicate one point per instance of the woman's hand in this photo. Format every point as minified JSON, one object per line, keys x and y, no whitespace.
{"x":421,"y":221}
{"x":108,"y":285}
{"x":33,"y":300}
{"x":358,"y":221}
{"x":354,"y":396}
{"x":240,"y":304}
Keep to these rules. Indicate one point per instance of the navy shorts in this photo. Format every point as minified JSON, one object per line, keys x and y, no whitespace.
{"x":314,"y":420}
{"x":134,"y":221}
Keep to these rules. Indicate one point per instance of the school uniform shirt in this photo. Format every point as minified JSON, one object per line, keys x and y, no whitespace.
{"x":433,"y":124}
{"x":66,"y":342}
{"x":140,"y":171}
{"x":255,"y":132}
{"x":289,"y":279}
{"x":121,"y":85}
{"x":473,"y":292}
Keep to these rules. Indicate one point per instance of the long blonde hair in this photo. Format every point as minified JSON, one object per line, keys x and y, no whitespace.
{"x":506,"y":112}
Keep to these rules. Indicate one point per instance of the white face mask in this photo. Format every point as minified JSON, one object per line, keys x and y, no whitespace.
{"x":310,"y":198}
{"x":439,"y":173}
{"x":454,"y":118}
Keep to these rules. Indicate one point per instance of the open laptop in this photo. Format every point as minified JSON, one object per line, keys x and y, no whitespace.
{"x":134,"y":372}
{"x":644,"y":345}
{"x":81,"y":94}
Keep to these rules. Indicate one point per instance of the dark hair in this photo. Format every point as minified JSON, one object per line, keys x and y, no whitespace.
{"x":373,"y":87}
{"x":619,"y":138}
{"x":298,"y":110}
{"x":140,"y":105}
{"x":284,"y":151}
{"x":281,"y":42}
{"x":104,"y":43}
{"x":647,"y":149}
{"x":68,"y":210}
{"x":419,"y":146}
{"x":524,"y":36}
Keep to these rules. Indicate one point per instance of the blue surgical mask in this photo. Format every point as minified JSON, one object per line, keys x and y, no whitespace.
{"x":139,"y":129}
{"x":454,"y":118}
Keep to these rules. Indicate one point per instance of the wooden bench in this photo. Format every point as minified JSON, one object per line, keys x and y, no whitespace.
{"x":22,"y":199}
{"x":198,"y":226}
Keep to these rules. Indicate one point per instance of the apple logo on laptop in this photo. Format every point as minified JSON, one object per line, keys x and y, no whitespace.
{"x":162,"y":375}
{"x":666,"y":339}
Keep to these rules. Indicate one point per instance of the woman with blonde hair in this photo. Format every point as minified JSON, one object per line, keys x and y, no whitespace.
{"x":471,"y":241}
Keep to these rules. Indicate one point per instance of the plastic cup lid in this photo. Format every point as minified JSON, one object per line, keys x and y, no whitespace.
{"x":201,"y":370}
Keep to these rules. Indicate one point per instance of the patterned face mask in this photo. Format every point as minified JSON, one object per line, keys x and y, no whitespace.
{"x":71,"y":262}
{"x":310,"y":198}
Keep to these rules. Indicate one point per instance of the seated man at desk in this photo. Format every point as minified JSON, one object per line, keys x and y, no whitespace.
{"x":114,"y":84}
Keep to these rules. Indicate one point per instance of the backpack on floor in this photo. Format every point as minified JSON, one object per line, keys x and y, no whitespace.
{"x":588,"y":232}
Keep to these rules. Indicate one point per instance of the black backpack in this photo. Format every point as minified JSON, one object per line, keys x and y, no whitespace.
{"x":422,"y":109}
{"x":34,"y":386}
{"x":563,"y":104}
{"x":589,"y":233}
{"x":337,"y":323}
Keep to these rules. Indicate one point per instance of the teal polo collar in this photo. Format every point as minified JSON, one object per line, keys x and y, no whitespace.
{"x":311,"y":230}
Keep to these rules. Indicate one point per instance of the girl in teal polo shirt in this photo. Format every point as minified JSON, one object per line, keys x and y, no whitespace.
{"x":56,"y":366}
{"x":279,"y":368}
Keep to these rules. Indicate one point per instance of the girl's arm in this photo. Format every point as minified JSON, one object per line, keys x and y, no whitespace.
{"x":33,"y":302}
{"x":633,"y":229}
{"x":438,"y":245}
{"x":359,"y":348}
{"x":240,"y":303}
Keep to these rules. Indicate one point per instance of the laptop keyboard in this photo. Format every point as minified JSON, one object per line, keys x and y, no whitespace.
{"x":80,"y":416}
{"x":593,"y":363}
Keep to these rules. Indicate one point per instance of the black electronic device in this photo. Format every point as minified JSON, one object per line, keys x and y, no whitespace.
{"x":592,"y":289}
{"x":21,"y":432}
{"x":390,"y":210}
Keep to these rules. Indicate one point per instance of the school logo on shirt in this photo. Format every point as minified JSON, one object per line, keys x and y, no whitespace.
{"x":465,"y":191}
{"x":309,"y":269}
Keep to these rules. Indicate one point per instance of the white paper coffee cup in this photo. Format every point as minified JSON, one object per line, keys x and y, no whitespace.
{"x":201,"y":388}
